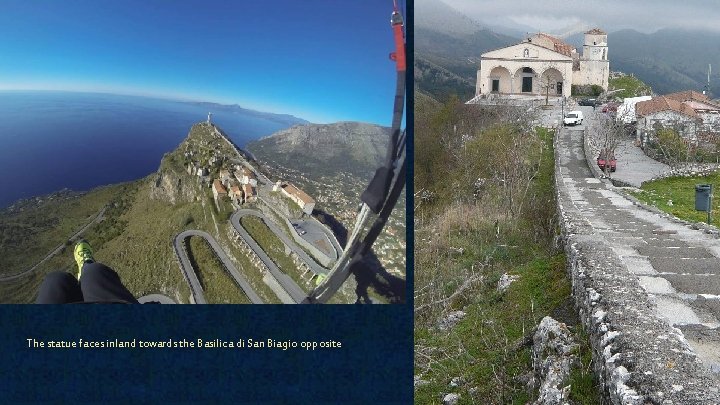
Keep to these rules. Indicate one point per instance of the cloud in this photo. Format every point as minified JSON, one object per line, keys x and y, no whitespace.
{"x":612,"y":15}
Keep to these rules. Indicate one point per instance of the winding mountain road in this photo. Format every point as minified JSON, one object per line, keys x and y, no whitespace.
{"x":191,"y":276}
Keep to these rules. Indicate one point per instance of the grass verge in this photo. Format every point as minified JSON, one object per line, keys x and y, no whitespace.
{"x":676,"y":195}
{"x":218,"y":286}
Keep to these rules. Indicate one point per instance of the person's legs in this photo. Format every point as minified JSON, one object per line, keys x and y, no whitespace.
{"x":100,"y":283}
{"x":59,"y":287}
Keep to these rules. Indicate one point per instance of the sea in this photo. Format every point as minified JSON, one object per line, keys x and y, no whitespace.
{"x":55,"y":140}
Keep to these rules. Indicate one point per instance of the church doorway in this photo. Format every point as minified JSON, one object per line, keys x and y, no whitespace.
{"x":527,"y":84}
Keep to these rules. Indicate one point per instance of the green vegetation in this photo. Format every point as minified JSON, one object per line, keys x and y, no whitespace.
{"x":676,"y":195}
{"x":218,"y":286}
{"x":135,"y":234}
{"x":670,"y":147}
{"x":631,"y":85}
{"x":28,"y":235}
{"x":273,"y":247}
{"x":585,"y":90}
{"x":485,"y":207}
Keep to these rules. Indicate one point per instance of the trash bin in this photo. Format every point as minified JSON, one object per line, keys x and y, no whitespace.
{"x":702,"y":197}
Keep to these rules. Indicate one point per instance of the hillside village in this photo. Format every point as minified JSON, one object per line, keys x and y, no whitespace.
{"x":233,"y":180}
{"x":629,"y":261}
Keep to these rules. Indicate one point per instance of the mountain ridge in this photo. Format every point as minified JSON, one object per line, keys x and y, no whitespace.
{"x":352,"y":146}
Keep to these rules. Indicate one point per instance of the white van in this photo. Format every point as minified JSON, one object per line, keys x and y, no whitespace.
{"x":573,"y":118}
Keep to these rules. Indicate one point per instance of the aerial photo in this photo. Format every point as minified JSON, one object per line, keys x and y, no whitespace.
{"x":202,"y":152}
{"x":567,"y":248}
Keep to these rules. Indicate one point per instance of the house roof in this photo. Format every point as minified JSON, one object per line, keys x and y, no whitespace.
{"x":662,"y":103}
{"x":291,"y":189}
{"x":559,"y":45}
{"x":234,"y":190}
{"x":219,"y":187}
{"x":596,"y":31}
{"x":687,"y":95}
{"x":247,"y":189}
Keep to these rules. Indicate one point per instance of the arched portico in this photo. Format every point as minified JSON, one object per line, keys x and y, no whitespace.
{"x":499,"y":80}
{"x":552,"y":82}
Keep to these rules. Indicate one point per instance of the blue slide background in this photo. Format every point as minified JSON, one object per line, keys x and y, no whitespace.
{"x":374,"y":364}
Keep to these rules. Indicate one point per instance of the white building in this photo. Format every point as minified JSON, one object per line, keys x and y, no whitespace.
{"x":306,"y":203}
{"x":544,"y":65}
{"x":664,"y":112}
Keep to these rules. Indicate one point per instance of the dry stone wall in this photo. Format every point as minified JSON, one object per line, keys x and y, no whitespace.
{"x":638,"y":358}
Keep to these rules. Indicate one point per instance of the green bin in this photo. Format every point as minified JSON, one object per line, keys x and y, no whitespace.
{"x":702,"y":197}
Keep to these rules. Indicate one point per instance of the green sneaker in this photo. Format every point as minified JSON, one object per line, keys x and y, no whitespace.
{"x":83,"y":254}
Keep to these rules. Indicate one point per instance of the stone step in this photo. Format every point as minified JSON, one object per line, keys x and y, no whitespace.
{"x":692,"y":266}
{"x":674,"y":251}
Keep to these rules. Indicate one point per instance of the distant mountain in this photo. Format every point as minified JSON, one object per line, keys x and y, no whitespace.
{"x":439,"y":16}
{"x":285,"y":119}
{"x":440,"y":82}
{"x":448,"y":46}
{"x":668,"y":60}
{"x":325,"y":149}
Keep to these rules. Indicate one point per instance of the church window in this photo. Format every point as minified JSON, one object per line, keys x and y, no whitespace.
{"x":527,"y":70}
{"x":604,"y":54}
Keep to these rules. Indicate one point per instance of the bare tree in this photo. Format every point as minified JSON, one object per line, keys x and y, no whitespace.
{"x":606,"y":134}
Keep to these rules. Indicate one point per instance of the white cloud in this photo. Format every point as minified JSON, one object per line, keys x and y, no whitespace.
{"x":611,"y":15}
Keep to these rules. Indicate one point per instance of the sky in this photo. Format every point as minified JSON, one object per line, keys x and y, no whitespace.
{"x":323,"y":61}
{"x":561,"y":16}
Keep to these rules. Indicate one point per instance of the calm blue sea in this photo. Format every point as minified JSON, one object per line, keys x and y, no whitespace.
{"x":55,"y":140}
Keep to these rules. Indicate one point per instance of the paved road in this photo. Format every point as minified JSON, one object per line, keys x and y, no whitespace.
{"x":315,"y":232}
{"x":57,"y":250}
{"x":679,"y":267}
{"x":320,"y":237}
{"x":634,"y":167}
{"x":295,"y":292}
{"x":191,"y":276}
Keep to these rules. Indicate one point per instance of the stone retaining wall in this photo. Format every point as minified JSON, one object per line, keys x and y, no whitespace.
{"x":638,"y":358}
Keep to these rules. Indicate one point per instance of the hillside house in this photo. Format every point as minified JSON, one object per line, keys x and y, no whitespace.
{"x":219,"y":191}
{"x":306,"y":203}
{"x":543,"y":64}
{"x":202,"y":171}
{"x":708,"y":110}
{"x":248,"y":177}
{"x":249,"y":193}
{"x":225,"y":177}
{"x":236,"y":195}
{"x":663,"y":112}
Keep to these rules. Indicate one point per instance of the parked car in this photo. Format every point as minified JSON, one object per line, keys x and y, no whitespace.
{"x":299,"y":229}
{"x":573,"y":118}
{"x":607,"y":159}
{"x":589,"y":102}
{"x":610,"y":108}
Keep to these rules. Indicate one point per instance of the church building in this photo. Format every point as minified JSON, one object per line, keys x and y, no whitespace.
{"x":544,"y":65}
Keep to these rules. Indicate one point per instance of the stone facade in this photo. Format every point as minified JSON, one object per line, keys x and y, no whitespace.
{"x":543,"y":65}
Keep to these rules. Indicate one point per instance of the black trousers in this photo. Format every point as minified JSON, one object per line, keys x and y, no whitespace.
{"x":98,"y":283}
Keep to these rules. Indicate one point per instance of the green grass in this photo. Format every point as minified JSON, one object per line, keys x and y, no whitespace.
{"x":676,"y":195}
{"x":27,"y":236}
{"x":274,"y":248}
{"x":218,"y":286}
{"x":632,"y":86}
